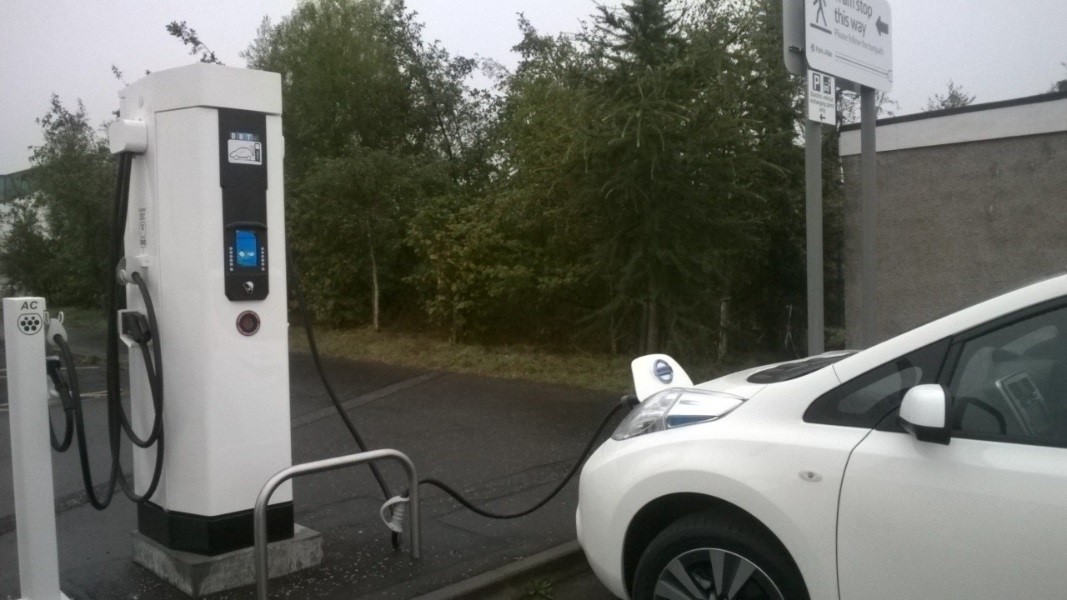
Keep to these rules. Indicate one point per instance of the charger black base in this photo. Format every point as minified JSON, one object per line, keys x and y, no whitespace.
{"x":211,"y":536}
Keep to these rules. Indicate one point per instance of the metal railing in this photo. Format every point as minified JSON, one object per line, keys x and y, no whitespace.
{"x":329,"y":464}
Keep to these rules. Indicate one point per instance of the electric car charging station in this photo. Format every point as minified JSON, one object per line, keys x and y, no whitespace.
{"x":205,"y":228}
{"x":199,"y":208}
{"x":199,"y":307}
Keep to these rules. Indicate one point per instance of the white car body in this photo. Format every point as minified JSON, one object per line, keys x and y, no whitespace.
{"x":865,"y":514}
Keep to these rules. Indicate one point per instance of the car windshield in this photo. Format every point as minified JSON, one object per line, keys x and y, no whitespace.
{"x":796,"y":368}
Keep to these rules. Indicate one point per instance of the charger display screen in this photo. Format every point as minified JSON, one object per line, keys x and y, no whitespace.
{"x":247,"y":248}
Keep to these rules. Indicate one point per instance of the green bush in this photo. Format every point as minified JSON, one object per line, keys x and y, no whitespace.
{"x":55,"y":243}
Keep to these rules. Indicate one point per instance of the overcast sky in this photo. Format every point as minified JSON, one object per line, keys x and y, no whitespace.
{"x":993,"y":48}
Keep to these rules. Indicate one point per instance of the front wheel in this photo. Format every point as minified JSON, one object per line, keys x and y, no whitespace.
{"x":707,"y":557}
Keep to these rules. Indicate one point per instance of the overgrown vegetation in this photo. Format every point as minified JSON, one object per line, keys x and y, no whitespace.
{"x":55,"y":244}
{"x":634,"y":187}
{"x":631,"y":188}
{"x":595,"y":371}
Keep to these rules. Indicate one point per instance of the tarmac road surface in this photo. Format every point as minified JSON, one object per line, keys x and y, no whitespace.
{"x":505,"y":443}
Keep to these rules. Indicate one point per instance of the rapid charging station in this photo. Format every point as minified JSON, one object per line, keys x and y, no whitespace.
{"x":202,"y":258}
{"x":205,"y":230}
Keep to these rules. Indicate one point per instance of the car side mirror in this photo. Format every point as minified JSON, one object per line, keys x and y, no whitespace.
{"x":924,"y":413}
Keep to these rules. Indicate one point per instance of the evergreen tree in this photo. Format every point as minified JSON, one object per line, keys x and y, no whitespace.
{"x":954,"y":97}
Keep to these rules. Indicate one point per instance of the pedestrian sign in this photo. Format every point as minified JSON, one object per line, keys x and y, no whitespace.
{"x":851,"y":39}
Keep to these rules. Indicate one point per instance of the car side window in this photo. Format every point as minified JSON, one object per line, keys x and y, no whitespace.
{"x":1010,"y":384}
{"x":867,"y":399}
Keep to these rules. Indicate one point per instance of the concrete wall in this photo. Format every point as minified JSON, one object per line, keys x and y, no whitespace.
{"x":958,"y":222}
{"x":15,"y":185}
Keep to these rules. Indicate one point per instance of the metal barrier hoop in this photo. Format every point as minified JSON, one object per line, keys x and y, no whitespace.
{"x":260,"y":512}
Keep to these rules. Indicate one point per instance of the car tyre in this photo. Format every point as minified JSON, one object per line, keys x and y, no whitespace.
{"x":712,"y":556}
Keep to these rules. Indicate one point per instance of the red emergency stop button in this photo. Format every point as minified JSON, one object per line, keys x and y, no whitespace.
{"x":248,"y":323}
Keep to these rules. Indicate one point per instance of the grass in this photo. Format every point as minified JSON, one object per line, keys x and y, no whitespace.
{"x":80,"y":316}
{"x":603,"y":372}
{"x":540,"y":589}
{"x":591,"y":371}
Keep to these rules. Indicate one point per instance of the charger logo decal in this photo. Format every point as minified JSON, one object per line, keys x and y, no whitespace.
{"x":245,"y":152}
{"x":663,"y":371}
{"x":30,"y":323}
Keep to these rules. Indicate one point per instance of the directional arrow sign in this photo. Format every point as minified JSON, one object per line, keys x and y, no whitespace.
{"x":851,"y":39}
{"x":882,"y":26}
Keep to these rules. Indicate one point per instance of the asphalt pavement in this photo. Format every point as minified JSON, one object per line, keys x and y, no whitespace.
{"x":503,"y":443}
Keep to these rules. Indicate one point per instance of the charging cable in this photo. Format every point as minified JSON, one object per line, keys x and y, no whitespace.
{"x":626,"y":402}
{"x":397,"y":505}
{"x":298,"y":290}
{"x":140,"y":330}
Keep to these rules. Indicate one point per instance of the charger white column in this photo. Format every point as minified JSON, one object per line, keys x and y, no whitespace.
{"x":31,"y":453}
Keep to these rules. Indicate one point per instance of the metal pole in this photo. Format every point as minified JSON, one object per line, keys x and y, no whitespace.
{"x":813,"y":177}
{"x":869,"y":211}
{"x":31,"y":455}
{"x":259,"y":515}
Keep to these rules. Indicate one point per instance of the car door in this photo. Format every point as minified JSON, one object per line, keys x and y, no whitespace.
{"x":985,"y":516}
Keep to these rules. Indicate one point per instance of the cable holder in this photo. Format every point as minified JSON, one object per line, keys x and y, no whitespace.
{"x":397,"y":509}
{"x":53,"y":327}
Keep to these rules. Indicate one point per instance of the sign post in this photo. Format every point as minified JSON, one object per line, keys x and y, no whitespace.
{"x":869,"y":217}
{"x":852,"y":39}
{"x":847,"y":42}
{"x":793,"y":37}
{"x":813,"y":212}
{"x":822,"y":108}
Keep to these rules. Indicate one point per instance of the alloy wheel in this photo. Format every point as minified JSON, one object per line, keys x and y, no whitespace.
{"x":714,"y":574}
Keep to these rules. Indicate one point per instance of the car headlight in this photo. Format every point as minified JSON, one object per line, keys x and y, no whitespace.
{"x":675,"y":408}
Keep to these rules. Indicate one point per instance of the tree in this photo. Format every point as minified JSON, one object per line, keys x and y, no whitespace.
{"x":454,"y":118}
{"x":342,"y":81}
{"x":56,"y":242}
{"x":189,"y":37}
{"x":24,"y":251}
{"x":356,"y":205}
{"x":476,"y":272}
{"x":373,"y":117}
{"x":849,"y":104}
{"x":765,"y":294}
{"x":955,"y":97}
{"x":1061,"y":85}
{"x":638,"y":141}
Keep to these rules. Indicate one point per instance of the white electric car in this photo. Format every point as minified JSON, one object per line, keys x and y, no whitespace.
{"x":933,"y":465}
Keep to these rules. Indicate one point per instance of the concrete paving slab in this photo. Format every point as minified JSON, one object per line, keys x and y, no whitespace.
{"x":198,"y":575}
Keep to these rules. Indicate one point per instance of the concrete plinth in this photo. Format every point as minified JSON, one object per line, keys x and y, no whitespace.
{"x":198,"y":575}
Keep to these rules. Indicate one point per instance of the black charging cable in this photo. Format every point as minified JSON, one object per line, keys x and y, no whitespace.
{"x":53,"y":366}
{"x":298,"y":290}
{"x":626,"y":402}
{"x":144,"y":331}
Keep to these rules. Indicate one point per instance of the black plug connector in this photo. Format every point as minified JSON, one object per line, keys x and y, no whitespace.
{"x":135,"y":326}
